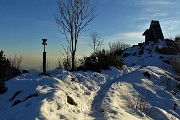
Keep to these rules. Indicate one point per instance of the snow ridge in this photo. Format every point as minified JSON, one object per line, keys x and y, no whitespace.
{"x":114,"y":94}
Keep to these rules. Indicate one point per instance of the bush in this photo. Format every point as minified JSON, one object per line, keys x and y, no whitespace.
{"x":137,"y":101}
{"x":7,"y":69}
{"x":101,"y":60}
{"x":64,"y":63}
{"x":167,"y":50}
{"x":4,"y":64}
{"x":118,"y":47}
{"x":177,"y":42}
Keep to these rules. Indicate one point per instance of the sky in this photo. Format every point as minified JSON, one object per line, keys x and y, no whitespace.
{"x":24,"y":23}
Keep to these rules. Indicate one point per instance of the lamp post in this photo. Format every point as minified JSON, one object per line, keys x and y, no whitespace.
{"x":44,"y":56}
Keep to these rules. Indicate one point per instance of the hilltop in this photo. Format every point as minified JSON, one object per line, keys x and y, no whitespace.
{"x":143,"y":89}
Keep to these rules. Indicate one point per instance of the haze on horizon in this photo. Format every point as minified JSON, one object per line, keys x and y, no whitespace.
{"x":24,"y":23}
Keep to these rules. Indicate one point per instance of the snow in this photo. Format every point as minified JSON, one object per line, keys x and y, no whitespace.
{"x":124,"y":94}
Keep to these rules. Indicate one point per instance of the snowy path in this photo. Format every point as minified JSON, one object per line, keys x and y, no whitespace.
{"x":110,"y":95}
{"x":96,"y":110}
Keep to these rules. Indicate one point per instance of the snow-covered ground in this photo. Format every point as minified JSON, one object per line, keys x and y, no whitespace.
{"x":124,"y":94}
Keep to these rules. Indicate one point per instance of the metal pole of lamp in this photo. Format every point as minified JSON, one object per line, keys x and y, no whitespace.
{"x":44,"y":56}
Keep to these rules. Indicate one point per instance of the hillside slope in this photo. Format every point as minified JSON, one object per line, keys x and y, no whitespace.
{"x":126,"y":94}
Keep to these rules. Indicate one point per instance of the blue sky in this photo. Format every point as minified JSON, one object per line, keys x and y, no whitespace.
{"x":23,"y":23}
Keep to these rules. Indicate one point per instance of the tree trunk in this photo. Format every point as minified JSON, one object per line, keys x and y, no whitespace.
{"x":73,"y":61}
{"x":72,"y":18}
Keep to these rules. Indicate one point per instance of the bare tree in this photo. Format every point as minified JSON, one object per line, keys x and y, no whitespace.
{"x":72,"y":18}
{"x":59,"y":64}
{"x":117,"y":47}
{"x":16,"y":61}
{"x":96,"y":41}
{"x":66,"y":61}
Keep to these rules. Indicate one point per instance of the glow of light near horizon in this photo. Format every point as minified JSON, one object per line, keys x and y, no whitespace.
{"x":23,"y":23}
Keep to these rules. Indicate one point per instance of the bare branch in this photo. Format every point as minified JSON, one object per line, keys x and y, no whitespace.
{"x":72,"y":18}
{"x":96,"y":42}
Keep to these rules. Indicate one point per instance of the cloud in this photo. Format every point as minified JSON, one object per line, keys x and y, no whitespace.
{"x":138,"y":18}
{"x":147,"y":16}
{"x":157,"y":8}
{"x":131,"y":35}
{"x":165,"y":11}
{"x":125,"y":37}
{"x":157,"y":2}
{"x":170,"y":27}
{"x":170,"y":24}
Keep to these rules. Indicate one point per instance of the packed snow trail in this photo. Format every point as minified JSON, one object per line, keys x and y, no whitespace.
{"x":97,"y":96}
{"x":96,"y":110}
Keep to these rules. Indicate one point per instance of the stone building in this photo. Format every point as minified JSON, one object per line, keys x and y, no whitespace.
{"x":154,"y":33}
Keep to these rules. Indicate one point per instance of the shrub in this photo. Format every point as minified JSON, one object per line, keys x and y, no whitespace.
{"x":177,"y":42}
{"x":167,"y":50}
{"x":16,"y":61}
{"x":100,"y":60}
{"x":118,"y":47}
{"x":137,"y":101}
{"x":64,"y":63}
{"x":4,"y":64}
{"x":7,"y":69}
{"x":89,"y":63}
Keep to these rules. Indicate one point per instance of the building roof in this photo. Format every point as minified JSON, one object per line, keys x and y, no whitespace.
{"x":154,"y":32}
{"x":146,"y":32}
